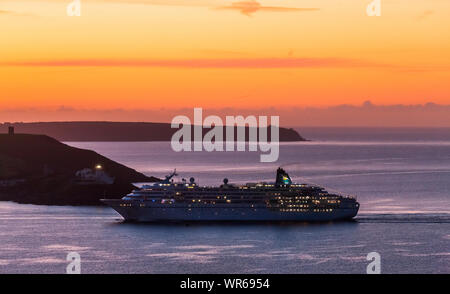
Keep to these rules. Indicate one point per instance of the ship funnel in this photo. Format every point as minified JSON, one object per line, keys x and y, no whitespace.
{"x":282,"y":178}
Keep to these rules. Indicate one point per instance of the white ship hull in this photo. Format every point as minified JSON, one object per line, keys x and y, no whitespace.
{"x":146,"y":211}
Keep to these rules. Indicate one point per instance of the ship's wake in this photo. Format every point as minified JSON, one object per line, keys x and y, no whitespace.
{"x":403,"y":218}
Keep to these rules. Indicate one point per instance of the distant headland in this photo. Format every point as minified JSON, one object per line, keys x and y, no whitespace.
{"x":38,"y":169}
{"x":115,"y":131}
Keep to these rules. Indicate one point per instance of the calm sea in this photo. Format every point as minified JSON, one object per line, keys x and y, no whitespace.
{"x":401,"y":178}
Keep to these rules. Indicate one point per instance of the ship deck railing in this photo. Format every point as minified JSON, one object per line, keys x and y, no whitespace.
{"x":349,"y":196}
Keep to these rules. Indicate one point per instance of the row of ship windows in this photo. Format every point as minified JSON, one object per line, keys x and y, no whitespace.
{"x":229,"y":201}
{"x":252,"y":186}
{"x":257,"y":196}
{"x":143,"y":205}
{"x":268,"y":186}
{"x":231,"y":193}
{"x":209,"y":202}
{"x":288,"y":198}
{"x":291,"y":208}
{"x":290,"y":201}
{"x":216,"y":213}
{"x":305,"y":210}
{"x":282,"y":209}
{"x":228,"y":190}
{"x":313,"y":201}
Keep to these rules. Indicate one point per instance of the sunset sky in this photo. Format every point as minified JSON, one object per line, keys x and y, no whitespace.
{"x":171,"y":54}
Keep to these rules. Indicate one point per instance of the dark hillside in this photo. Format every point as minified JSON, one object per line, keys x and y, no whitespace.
{"x":39,"y":169}
{"x":115,"y":131}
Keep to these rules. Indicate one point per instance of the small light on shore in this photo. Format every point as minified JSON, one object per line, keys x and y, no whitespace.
{"x":98,"y":166}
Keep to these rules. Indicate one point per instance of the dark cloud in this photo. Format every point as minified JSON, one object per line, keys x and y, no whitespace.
{"x":201,"y":63}
{"x":367,"y":114}
{"x":6,"y":12}
{"x":250,"y":6}
{"x":13,"y":13}
{"x":425,"y":14}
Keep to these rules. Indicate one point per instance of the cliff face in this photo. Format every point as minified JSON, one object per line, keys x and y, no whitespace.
{"x":115,"y":131}
{"x":40,"y":170}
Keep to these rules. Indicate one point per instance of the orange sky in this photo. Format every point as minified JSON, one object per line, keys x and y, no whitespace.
{"x":132,"y":54}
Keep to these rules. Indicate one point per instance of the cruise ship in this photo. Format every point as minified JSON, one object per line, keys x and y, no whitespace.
{"x":281,"y":200}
